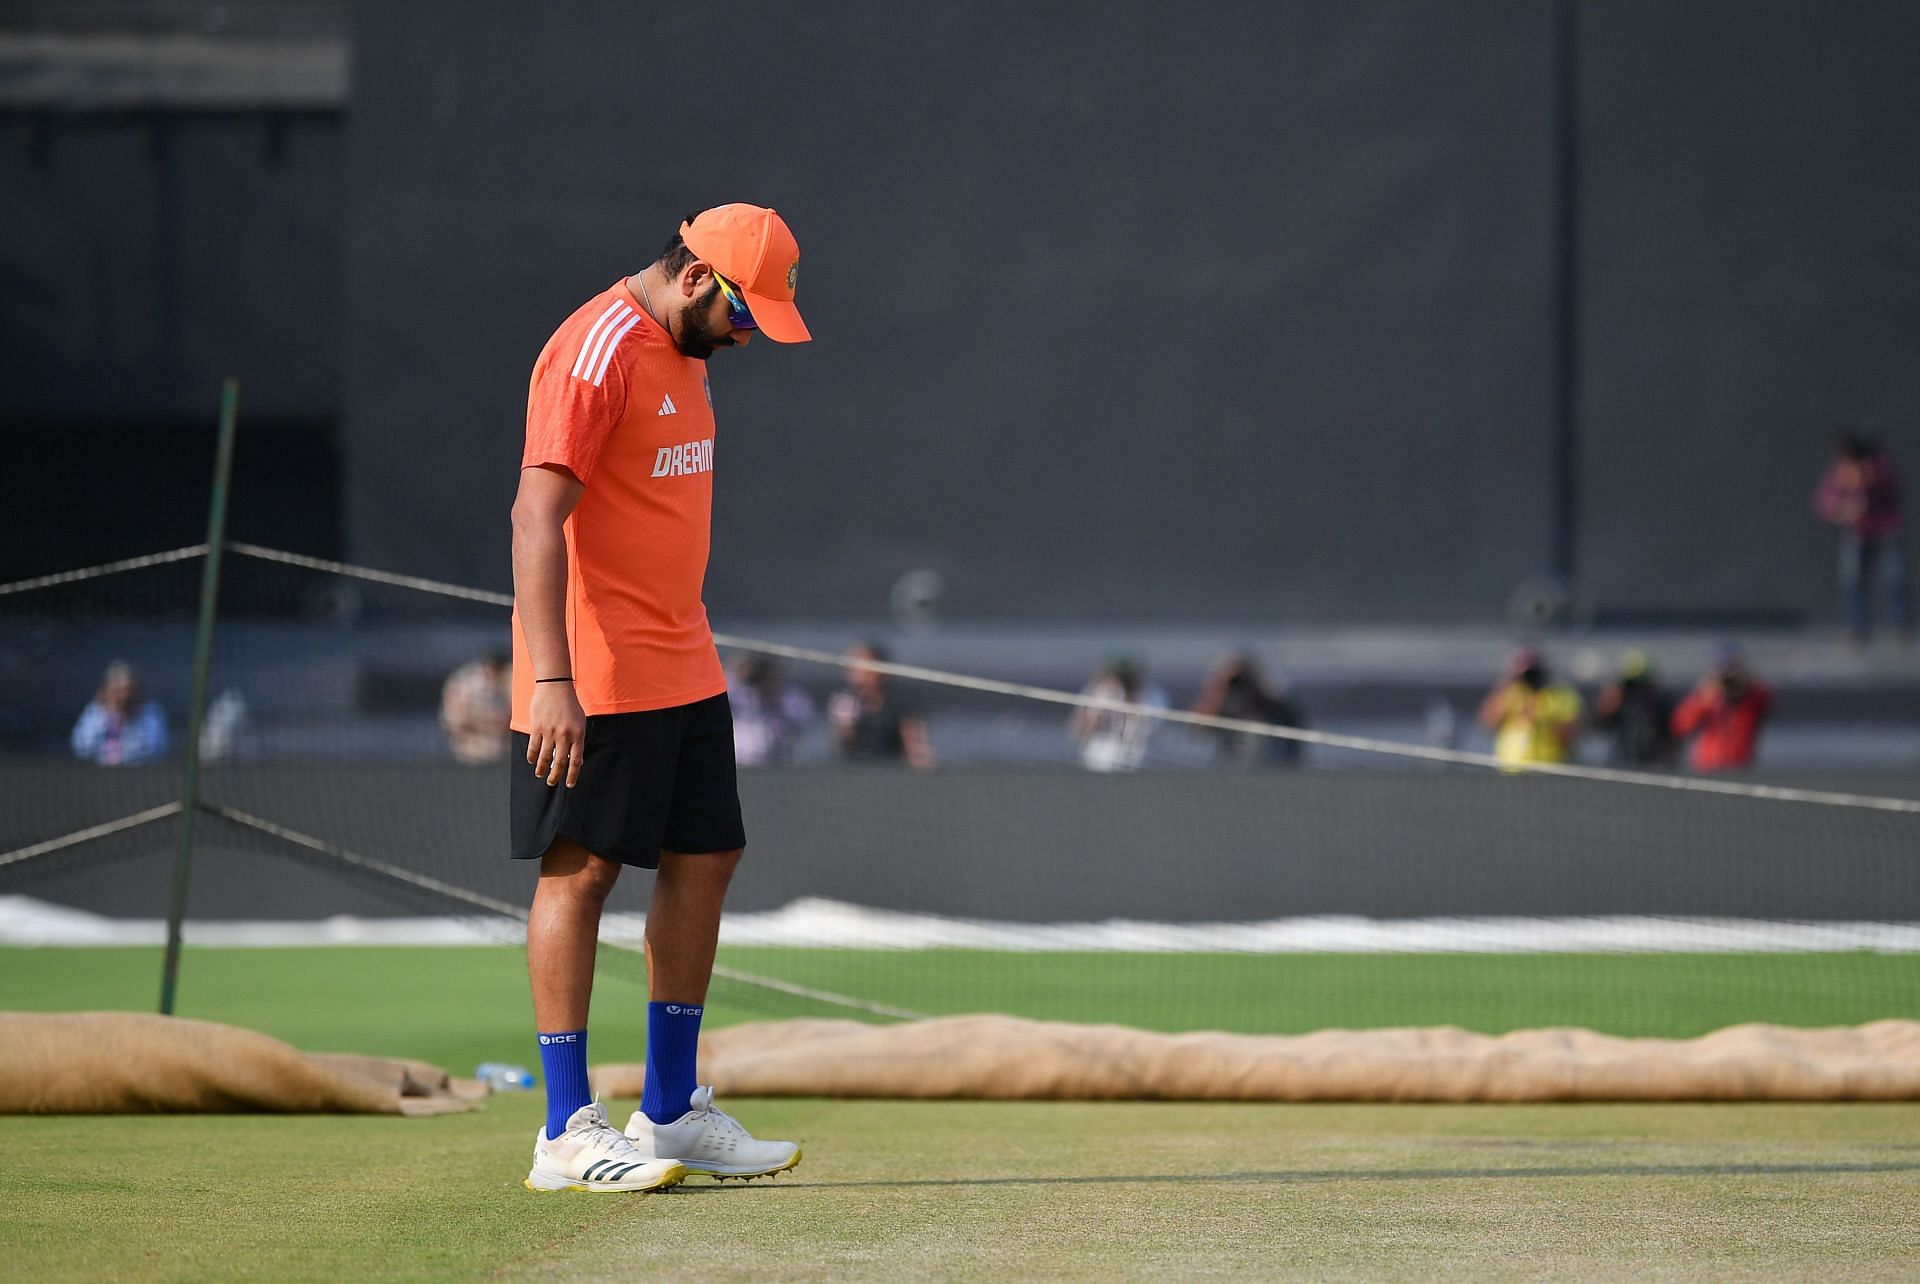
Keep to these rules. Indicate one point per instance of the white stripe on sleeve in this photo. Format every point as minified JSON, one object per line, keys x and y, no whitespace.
{"x":592,"y":359}
{"x":600,"y":371}
{"x":580,"y":361}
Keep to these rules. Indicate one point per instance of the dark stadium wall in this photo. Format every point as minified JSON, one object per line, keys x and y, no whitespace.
{"x":1121,"y":310}
{"x":146,"y":256}
{"x":1225,"y":312}
{"x":1751,"y":278}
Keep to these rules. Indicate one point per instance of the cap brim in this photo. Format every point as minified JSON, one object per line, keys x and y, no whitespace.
{"x":778,"y":319}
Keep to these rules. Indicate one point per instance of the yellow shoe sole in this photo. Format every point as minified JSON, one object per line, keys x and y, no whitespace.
{"x":674,"y":1176}
{"x":789,"y":1166}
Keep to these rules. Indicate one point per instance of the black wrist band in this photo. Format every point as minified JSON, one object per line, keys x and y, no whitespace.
{"x":566,"y":679}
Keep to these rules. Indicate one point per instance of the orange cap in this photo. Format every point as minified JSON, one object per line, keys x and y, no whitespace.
{"x":753,"y":249}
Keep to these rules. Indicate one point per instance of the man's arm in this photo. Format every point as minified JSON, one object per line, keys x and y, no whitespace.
{"x":1691,"y":713}
{"x":1493,"y":709}
{"x":556,"y":739}
{"x":1213,"y":693}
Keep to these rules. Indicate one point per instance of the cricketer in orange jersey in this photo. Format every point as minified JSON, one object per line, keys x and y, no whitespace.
{"x":623,"y":732}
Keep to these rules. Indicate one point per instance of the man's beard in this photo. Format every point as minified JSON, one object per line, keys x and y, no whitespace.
{"x":695,"y":339}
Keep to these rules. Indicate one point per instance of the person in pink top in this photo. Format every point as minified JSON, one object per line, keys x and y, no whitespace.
{"x":1860,"y":495}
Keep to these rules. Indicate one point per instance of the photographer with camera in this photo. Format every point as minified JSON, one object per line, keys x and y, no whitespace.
{"x":1532,"y":719}
{"x":1635,"y":715}
{"x":1724,"y":714}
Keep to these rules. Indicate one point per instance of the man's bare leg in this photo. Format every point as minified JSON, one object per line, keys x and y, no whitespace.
{"x":676,"y":1118}
{"x":578,"y":1149}
{"x":683,"y":924}
{"x":563,"y":931}
{"x":683,"y":928}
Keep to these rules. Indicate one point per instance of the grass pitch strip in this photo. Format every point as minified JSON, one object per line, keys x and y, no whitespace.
{"x":897,"y":1190}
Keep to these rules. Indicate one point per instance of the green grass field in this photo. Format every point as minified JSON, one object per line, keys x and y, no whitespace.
{"x":894,"y":1190}
{"x":1659,"y":995}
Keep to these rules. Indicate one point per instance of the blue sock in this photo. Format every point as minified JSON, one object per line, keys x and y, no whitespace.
{"x":673,"y":1045}
{"x":563,"y":1055}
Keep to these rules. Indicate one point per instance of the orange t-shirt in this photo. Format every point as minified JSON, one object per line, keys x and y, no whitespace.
{"x":616,"y":404}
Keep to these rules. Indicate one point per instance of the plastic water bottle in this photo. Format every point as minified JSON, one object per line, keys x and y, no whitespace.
{"x":501,"y":1077}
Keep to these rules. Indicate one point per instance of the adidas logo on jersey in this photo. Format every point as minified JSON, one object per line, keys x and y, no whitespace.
{"x":667,"y":407}
{"x":677,"y":461}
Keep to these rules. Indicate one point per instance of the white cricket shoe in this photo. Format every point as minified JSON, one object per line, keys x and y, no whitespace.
{"x":590,"y":1155}
{"x":710,"y":1141}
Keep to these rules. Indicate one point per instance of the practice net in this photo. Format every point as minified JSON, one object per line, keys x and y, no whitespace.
{"x":1236,"y":877}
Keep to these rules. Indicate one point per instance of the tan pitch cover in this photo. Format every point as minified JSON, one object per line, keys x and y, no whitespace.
{"x":90,"y":1063}
{"x":1010,"y":1058}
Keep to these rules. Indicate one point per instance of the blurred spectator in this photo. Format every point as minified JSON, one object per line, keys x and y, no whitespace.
{"x":1635,"y":715}
{"x":871,"y":721}
{"x":1724,"y":714}
{"x":769,"y":713}
{"x":1532,"y":720}
{"x":1235,"y":688}
{"x":1860,"y":495}
{"x":223,"y":733}
{"x":475,"y":706}
{"x":1111,"y":740}
{"x":121,"y":725}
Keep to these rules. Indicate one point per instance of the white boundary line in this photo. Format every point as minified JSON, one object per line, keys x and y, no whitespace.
{"x":816,"y":924}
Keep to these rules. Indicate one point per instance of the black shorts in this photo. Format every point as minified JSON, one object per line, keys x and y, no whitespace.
{"x":660,"y":779}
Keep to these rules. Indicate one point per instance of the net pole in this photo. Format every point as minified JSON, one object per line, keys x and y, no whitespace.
{"x":202,"y":667}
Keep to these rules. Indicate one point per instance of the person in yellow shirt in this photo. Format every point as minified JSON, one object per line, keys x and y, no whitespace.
{"x":1532,"y":719}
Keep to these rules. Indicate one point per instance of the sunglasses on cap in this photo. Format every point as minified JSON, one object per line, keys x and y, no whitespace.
{"x":737,"y":315}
